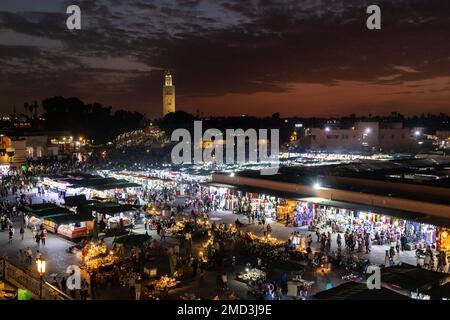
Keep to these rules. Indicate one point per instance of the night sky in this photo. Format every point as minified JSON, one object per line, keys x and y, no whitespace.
{"x":229,"y":57}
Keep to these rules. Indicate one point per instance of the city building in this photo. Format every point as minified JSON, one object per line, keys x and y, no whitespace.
{"x":12,"y":151}
{"x":362,"y":136}
{"x":17,"y":149}
{"x":442,"y":139}
{"x":168,"y":95}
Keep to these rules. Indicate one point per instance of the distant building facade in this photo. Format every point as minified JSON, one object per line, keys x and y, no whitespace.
{"x":443,"y":139}
{"x":17,"y":149}
{"x":362,"y":136}
{"x":168,"y":95}
{"x":12,"y":151}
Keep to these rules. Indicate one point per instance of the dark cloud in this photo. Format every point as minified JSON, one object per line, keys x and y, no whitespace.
{"x":218,"y":48}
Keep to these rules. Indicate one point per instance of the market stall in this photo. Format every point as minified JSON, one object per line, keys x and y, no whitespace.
{"x":285,"y":211}
{"x":411,"y":280}
{"x":127,"y":242}
{"x":113,"y":215}
{"x":166,"y":283}
{"x":439,"y":292}
{"x":358,"y":291}
{"x":71,"y":225}
{"x":37,"y":217}
{"x":444,"y":240}
{"x":97,"y":256}
{"x":252,"y":274}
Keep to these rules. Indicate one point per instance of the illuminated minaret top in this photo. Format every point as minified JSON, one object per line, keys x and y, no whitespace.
{"x":168,"y":79}
{"x":168,"y":95}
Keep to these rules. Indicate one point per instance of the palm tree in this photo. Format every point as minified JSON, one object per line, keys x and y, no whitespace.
{"x":30,"y":109}
{"x":26,"y":107}
{"x":35,"y":107}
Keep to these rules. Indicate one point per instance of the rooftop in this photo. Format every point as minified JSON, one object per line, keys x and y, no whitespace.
{"x":413,"y":172}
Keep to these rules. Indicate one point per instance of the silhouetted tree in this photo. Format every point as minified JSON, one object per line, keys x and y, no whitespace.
{"x":92,"y":120}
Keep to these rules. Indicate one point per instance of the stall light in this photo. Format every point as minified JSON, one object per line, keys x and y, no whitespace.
{"x":41,"y":265}
{"x":232,"y":174}
{"x":327,"y":129}
{"x":417,"y":133}
{"x":317,"y":186}
{"x":368,"y":130}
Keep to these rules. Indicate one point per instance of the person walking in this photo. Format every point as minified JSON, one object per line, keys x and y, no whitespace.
{"x":403,"y":241}
{"x":63,"y":285}
{"x":132,"y":286}
{"x":158,"y":228}
{"x":38,"y":255}
{"x":367,"y":243}
{"x":194,"y":267}
{"x":328,"y":242}
{"x":93,"y":284}
{"x":22,"y":232}
{"x":42,"y":236}
{"x":339,"y":241}
{"x":55,"y":282}
{"x":84,"y":290}
{"x":163,"y":234}
{"x":10,"y":236}
{"x":387,"y":259}
{"x":29,"y":254}
{"x":138,"y":289}
{"x":309,"y":240}
{"x":224,"y":279}
{"x":20,"y":256}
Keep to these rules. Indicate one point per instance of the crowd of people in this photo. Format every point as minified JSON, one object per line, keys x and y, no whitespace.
{"x":225,"y":243}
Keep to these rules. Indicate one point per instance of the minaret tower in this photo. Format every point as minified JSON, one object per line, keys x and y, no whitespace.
{"x":168,"y":95}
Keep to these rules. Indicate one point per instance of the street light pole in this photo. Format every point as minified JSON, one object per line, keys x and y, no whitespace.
{"x":40,"y":287}
{"x":41,"y":265}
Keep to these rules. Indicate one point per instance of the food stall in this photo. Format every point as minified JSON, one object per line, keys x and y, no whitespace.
{"x":96,"y":256}
{"x":411,"y":280}
{"x":444,"y":240}
{"x":112,"y":214}
{"x":285,"y":211}
{"x":153,"y":211}
{"x":71,"y":226}
{"x":253,"y":274}
{"x":56,"y":184}
{"x":165,"y":283}
{"x":7,"y":292}
{"x":37,"y":217}
{"x":127,"y":242}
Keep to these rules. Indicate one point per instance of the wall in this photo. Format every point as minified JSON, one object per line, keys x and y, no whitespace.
{"x":397,"y":140}
{"x":36,"y":146}
{"x":363,"y":135}
{"x":20,"y":151}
